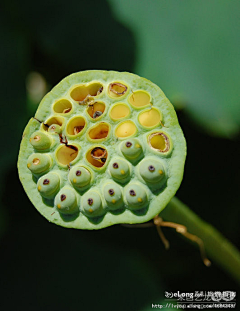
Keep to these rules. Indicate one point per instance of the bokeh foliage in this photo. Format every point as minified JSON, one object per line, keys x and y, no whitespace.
{"x":189,"y":48}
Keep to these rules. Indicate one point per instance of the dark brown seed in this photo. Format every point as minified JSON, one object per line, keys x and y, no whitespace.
{"x":90,"y":201}
{"x":132,"y":193}
{"x":78,"y":173}
{"x":46,"y":181}
{"x":128,"y":144}
{"x":115,"y":165}
{"x":97,"y":114}
{"x":151,"y":168}
{"x":63,"y":197}
{"x":111,"y":191}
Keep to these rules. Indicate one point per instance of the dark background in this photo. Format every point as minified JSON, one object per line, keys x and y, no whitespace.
{"x":46,"y":267}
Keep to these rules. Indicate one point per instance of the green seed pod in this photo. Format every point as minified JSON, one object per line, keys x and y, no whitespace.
{"x":116,"y":124}
{"x":40,"y":141}
{"x":79,"y":176}
{"x":136,"y":196}
{"x":132,"y":150}
{"x":91,"y":204}
{"x":66,"y":201}
{"x":55,"y":128}
{"x":39,"y":163}
{"x":119,"y":170}
{"x":152,"y":171}
{"x":113,"y":195}
{"x":48,"y":185}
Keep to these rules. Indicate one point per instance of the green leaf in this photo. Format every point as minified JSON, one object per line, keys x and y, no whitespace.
{"x":191,"y":50}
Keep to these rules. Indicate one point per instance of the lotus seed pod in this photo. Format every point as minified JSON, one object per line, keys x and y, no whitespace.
{"x":119,"y":170}
{"x":152,"y":171}
{"x":132,"y":149}
{"x":38,"y":163}
{"x":79,"y":176}
{"x":113,"y":195}
{"x":136,"y":196}
{"x":66,"y":201}
{"x":40,"y":141}
{"x":48,"y":185}
{"x":110,"y":132}
{"x":91,"y":204}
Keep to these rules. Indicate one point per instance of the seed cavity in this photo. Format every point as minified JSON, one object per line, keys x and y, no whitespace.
{"x":82,"y":92}
{"x":63,"y":197}
{"x":54,"y":121}
{"x":117,"y":89}
{"x":75,"y":126}
{"x":46,"y":181}
{"x":100,"y":131}
{"x":97,"y":156}
{"x":96,"y":109}
{"x":125,"y":129}
{"x":139,"y":99}
{"x":119,"y":111}
{"x":159,"y":141}
{"x":62,"y":106}
{"x":66,"y":154}
{"x":150,"y":118}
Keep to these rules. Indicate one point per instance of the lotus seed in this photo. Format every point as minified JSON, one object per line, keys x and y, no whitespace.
{"x":136,"y":195}
{"x":80,"y":177}
{"x":66,"y":201}
{"x":91,"y":203}
{"x":113,"y":196}
{"x":39,"y":163}
{"x":132,"y":150}
{"x":48,"y":185}
{"x":153,"y":173}
{"x":120,"y":170}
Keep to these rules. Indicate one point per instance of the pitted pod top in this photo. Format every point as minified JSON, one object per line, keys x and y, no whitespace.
{"x":103,"y":148}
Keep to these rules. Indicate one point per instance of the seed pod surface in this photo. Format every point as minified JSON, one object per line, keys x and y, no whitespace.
{"x":103,"y":148}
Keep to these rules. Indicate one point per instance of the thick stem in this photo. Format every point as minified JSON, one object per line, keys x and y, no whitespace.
{"x":218,"y":248}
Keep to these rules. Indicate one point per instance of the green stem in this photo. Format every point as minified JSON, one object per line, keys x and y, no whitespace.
{"x":218,"y":248}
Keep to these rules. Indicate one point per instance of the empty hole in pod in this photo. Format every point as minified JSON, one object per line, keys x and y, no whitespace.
{"x":97,"y":156}
{"x":62,"y":106}
{"x":150,"y":118}
{"x":159,"y":141}
{"x":139,"y":99}
{"x":80,"y":92}
{"x":99,"y":131}
{"x":119,"y":111}
{"x":96,"y":110}
{"x":75,"y":126}
{"x":117,"y":89}
{"x":49,"y":124}
{"x":125,"y":129}
{"x":66,"y":154}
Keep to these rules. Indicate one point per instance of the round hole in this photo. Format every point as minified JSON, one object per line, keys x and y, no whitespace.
{"x":159,"y":141}
{"x":100,"y":131}
{"x":75,"y":126}
{"x":58,"y":121}
{"x":62,"y":106}
{"x":66,"y":154}
{"x":97,"y":156}
{"x":139,"y":99}
{"x":117,"y":89}
{"x":119,"y":111}
{"x":125,"y":129}
{"x":81,"y":92}
{"x":149,"y":118}
{"x":96,"y":110}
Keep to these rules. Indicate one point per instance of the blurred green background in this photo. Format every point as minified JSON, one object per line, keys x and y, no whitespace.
{"x":191,"y":49}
